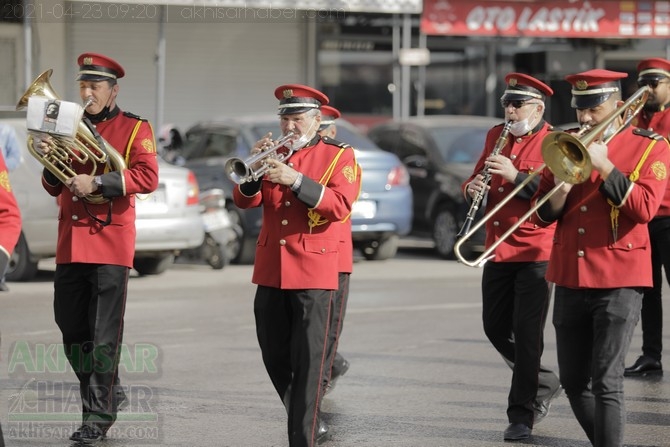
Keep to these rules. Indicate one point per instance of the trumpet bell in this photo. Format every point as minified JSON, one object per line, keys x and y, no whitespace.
{"x":237,"y":170}
{"x":566,"y":157}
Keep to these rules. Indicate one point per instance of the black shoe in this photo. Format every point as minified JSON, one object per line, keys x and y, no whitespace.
{"x":644,"y":366}
{"x":517,"y":432}
{"x":336,"y":374}
{"x":120,"y":396}
{"x":87,"y":434}
{"x":322,"y":434}
{"x":542,"y":406}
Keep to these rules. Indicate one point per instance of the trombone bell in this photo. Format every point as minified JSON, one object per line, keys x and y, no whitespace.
{"x":566,"y":157}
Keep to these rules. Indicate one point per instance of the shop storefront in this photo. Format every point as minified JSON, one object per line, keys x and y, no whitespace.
{"x":473,"y":44}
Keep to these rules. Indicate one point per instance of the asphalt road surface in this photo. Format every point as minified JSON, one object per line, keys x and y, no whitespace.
{"x":422,"y":373}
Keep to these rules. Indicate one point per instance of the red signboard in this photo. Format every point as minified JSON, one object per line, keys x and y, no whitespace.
{"x":556,"y":18}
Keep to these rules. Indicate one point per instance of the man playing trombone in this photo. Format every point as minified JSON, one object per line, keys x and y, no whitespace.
{"x":600,"y":260}
{"x":515,"y":294}
{"x":655,"y":73}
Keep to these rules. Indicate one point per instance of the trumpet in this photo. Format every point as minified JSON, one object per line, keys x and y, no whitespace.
{"x":566,"y":156}
{"x":479,"y":197}
{"x":242,"y":171}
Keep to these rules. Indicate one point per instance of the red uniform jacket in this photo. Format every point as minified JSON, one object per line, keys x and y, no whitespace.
{"x":10,"y":216}
{"x":658,"y":122}
{"x":346,"y":251}
{"x":290,"y":254}
{"x":585,"y":253}
{"x":80,"y":237}
{"x":530,"y":242}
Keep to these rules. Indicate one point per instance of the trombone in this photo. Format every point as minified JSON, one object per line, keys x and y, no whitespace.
{"x":566,"y":155}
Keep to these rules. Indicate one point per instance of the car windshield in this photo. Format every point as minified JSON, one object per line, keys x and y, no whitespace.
{"x":209,"y":143}
{"x":459,"y":145}
{"x":344,"y":134}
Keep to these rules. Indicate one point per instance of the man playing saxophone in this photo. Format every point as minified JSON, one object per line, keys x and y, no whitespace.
{"x":96,"y":243}
{"x":515,"y":294}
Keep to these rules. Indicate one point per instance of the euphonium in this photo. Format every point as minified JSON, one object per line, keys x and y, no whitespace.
{"x":66,"y":151}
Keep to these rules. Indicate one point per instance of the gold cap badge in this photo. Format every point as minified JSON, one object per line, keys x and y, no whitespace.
{"x":581,"y":84}
{"x":288,"y":93}
{"x":513,"y":82}
{"x":88,"y":61}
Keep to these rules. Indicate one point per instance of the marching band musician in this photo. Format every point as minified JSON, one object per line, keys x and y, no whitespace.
{"x":600,"y":259}
{"x":336,"y":364}
{"x":10,"y":218}
{"x":296,"y":265}
{"x":96,"y":244}
{"x":655,"y":116}
{"x":515,"y":294}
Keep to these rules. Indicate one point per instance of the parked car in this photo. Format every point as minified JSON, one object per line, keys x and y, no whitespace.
{"x":168,"y":220}
{"x":440,"y":153}
{"x":382,"y":213}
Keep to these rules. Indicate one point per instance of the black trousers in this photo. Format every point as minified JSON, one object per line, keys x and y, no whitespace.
{"x":89,"y":305}
{"x":334,"y":361}
{"x":652,"y":305}
{"x":515,"y":304}
{"x":292,"y":328}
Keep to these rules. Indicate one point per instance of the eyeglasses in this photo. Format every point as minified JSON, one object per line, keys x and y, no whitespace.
{"x":517,"y":103}
{"x":653,"y":83}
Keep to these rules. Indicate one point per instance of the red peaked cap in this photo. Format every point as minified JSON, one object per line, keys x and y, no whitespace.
{"x":592,"y":88}
{"x":328,"y":116}
{"x":653,"y":68}
{"x":98,"y":67}
{"x":296,"y":98}
{"x":523,"y":87}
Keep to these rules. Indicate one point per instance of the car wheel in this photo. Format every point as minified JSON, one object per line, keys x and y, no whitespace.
{"x":153,"y":266}
{"x":380,"y":250}
{"x":20,"y":267}
{"x":445,"y":229}
{"x":241,"y":250}
{"x":213,"y":253}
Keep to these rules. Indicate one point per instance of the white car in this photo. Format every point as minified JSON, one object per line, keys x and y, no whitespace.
{"x":168,"y":220}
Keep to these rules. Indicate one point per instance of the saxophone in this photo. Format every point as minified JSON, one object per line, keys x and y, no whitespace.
{"x":501,"y":142}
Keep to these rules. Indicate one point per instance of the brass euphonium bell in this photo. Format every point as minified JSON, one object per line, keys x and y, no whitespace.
{"x":66,"y":151}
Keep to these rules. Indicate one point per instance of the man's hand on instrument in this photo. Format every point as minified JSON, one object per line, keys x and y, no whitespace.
{"x":502,"y":166}
{"x":476,"y":185}
{"x":43,"y":145}
{"x":598,"y":153}
{"x":280,"y":173}
{"x":81,"y":185}
{"x":262,"y":144}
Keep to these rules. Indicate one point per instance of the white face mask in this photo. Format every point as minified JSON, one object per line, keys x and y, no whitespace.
{"x":521,"y":127}
{"x":305,"y":138}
